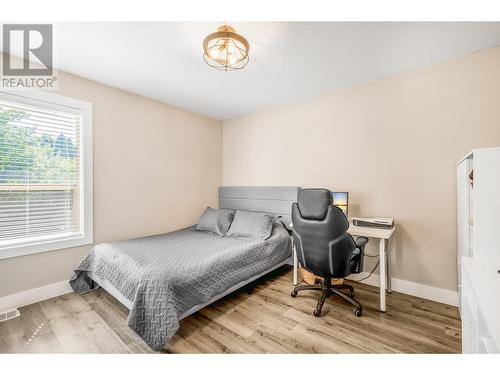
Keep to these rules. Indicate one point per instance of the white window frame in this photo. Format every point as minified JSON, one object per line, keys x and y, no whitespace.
{"x":86,"y":237}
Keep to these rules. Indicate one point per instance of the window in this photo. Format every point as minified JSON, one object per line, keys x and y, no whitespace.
{"x":45,"y":173}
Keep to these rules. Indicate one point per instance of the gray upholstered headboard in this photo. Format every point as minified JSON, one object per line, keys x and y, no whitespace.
{"x":274,"y":200}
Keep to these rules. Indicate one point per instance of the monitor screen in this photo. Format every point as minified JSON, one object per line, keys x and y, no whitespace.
{"x":341,"y":200}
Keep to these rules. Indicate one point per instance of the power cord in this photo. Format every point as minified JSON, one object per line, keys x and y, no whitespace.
{"x":371,"y":272}
{"x":376,"y":265}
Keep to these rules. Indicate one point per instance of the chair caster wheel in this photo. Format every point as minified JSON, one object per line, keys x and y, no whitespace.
{"x":293,"y":294}
{"x":358,"y":312}
{"x":317,"y":313}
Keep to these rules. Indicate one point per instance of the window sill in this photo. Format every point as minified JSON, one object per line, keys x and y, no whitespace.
{"x":41,"y":247}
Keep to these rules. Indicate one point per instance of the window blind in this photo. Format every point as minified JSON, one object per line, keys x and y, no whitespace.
{"x":39,"y":173}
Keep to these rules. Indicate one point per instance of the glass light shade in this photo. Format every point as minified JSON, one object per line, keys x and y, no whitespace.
{"x":226,"y":50}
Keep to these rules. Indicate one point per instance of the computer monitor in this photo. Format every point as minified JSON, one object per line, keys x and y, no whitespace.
{"x":341,"y":200}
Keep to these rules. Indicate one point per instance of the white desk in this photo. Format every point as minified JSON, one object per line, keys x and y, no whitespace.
{"x":383,"y":236}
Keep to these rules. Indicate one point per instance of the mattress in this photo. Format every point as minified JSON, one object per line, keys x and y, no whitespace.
{"x":164,"y":278}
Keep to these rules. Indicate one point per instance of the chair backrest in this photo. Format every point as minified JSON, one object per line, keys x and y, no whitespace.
{"x":320,"y":234}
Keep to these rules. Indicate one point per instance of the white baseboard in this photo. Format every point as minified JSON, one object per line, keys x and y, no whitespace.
{"x":449,"y":297}
{"x":28,"y":297}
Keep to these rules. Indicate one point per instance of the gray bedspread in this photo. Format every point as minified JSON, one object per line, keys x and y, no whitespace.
{"x":166,"y":275}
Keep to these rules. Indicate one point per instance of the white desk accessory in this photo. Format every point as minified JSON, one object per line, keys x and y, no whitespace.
{"x":375,"y":222}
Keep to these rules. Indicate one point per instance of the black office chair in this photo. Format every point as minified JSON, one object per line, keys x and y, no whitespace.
{"x":323,"y":245}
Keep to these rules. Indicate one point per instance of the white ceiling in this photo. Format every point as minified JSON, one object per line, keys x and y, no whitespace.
{"x":288,"y":61}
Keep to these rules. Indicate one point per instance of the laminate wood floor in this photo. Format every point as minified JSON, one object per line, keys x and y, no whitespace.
{"x":267,"y":320}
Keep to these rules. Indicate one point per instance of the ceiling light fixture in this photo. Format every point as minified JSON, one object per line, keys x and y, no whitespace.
{"x":225,"y":50}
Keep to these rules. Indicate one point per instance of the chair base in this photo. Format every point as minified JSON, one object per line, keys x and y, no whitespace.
{"x":326,"y":291}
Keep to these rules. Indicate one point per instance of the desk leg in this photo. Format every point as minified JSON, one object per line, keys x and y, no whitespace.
{"x":383,"y":275}
{"x":388,"y":267}
{"x":295,"y":267}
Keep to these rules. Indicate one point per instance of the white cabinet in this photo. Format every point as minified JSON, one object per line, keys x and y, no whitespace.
{"x":486,"y":203}
{"x":478,"y":204}
{"x":464,"y":213}
{"x":478,"y":253}
{"x":464,"y":207}
{"x":480,"y":310}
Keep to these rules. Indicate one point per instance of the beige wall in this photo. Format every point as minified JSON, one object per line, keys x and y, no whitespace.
{"x":392,"y":144}
{"x":155,"y":169}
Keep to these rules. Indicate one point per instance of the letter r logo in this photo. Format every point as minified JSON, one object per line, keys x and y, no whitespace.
{"x":33,"y":44}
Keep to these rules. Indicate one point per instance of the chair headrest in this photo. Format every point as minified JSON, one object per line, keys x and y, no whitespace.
{"x":313,"y":203}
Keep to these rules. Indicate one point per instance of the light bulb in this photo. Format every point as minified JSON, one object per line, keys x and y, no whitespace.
{"x":214,"y":53}
{"x":231,"y":59}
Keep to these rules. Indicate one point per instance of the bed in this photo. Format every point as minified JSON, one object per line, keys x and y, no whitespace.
{"x":162,"y":279}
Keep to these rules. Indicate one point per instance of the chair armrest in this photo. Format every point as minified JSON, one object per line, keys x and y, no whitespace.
{"x":361,"y":242}
{"x":356,"y":262}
